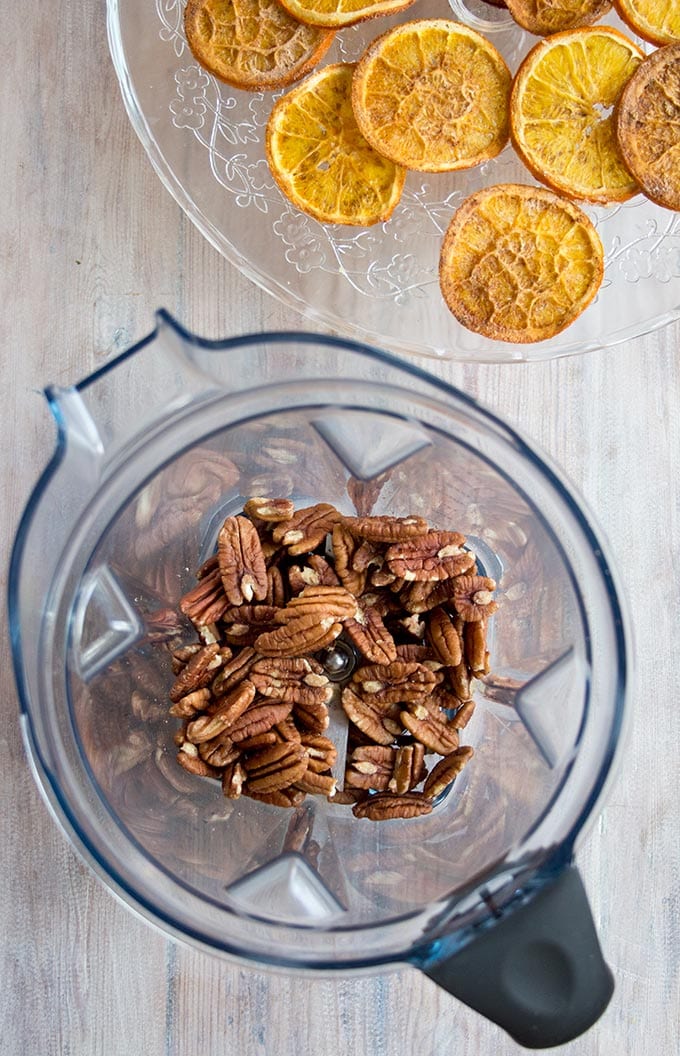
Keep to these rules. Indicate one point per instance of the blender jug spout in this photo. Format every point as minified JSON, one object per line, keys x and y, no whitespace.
{"x":537,"y":971}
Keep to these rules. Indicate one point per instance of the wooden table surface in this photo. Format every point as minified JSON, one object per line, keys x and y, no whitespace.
{"x":91,"y":245}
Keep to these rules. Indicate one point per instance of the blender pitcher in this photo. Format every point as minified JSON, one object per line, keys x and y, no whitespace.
{"x":154,"y":451}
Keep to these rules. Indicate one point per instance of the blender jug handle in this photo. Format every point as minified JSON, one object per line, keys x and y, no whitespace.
{"x":538,"y":971}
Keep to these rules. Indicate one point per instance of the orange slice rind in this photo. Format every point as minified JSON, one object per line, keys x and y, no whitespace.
{"x":319,"y":158}
{"x":519,"y":263}
{"x":562,"y":112}
{"x":657,"y":21}
{"x":338,"y":13}
{"x":541,"y":17}
{"x":253,"y":44}
{"x":648,"y":126}
{"x":432,"y":95}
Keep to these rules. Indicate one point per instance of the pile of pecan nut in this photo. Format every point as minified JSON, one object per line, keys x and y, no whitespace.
{"x":282,"y":588}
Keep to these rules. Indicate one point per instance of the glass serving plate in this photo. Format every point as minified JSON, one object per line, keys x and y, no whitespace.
{"x":206,"y":141}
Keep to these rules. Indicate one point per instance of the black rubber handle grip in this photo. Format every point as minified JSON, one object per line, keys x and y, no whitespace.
{"x":538,"y":971}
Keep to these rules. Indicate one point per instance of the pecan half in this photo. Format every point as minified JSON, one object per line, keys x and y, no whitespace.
{"x":397,"y":682}
{"x":220,"y":751}
{"x":313,"y":717}
{"x":276,"y":767}
{"x":319,"y":601}
{"x":473,"y":597}
{"x":233,"y":778}
{"x":271,"y":510}
{"x":386,"y":529}
{"x":259,"y":718}
{"x":292,"y":679}
{"x":325,"y":573}
{"x":371,"y":767}
{"x":446,"y":771}
{"x":197,"y":672}
{"x":234,"y":671}
{"x":206,"y":602}
{"x":285,"y":797}
{"x":463,"y":715}
{"x":345,"y":546}
{"x":317,"y":784}
{"x":188,"y":706}
{"x":306,"y":634}
{"x":386,"y":805}
{"x":430,"y":726}
{"x":242,"y":563}
{"x":276,"y":587}
{"x":444,"y":637}
{"x":431,"y":557}
{"x":371,"y":637}
{"x":189,"y":759}
{"x":321,"y":751}
{"x":409,"y":768}
{"x":474,"y":643}
{"x":306,"y":529}
{"x":377,"y":721}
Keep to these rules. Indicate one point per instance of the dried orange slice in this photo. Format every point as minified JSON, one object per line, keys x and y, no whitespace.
{"x":648,"y":126}
{"x":433,"y":95}
{"x":253,"y":44}
{"x":519,"y":263}
{"x":337,"y":13}
{"x":320,"y":159}
{"x":542,"y":17}
{"x":657,"y":21}
{"x":562,"y":112}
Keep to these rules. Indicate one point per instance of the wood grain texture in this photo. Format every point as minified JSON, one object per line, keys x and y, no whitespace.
{"x":91,"y":244}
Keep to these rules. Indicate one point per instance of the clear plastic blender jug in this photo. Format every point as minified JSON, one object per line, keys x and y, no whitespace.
{"x":154,"y":451}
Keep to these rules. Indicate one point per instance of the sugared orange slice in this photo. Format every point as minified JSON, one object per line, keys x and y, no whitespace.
{"x":657,"y":21}
{"x":648,"y":126}
{"x":562,"y":112}
{"x":542,"y":17}
{"x":519,"y":263}
{"x":320,"y":159}
{"x":433,"y":95}
{"x":253,"y":44}
{"x":338,"y":13}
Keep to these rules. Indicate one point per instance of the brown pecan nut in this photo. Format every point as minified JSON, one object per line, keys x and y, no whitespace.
{"x":307,"y":634}
{"x":259,"y":718}
{"x":301,"y":576}
{"x":207,"y":601}
{"x":415,"y":652}
{"x":182,"y":655}
{"x":459,"y":680}
{"x":287,"y":730}
{"x":371,"y":637}
{"x":292,"y":679}
{"x":397,"y":682}
{"x":463,"y":715}
{"x":316,"y":784}
{"x":197,"y":672}
{"x":444,"y":637}
{"x":234,"y":671}
{"x":431,"y":557}
{"x":446,"y":771}
{"x":188,"y":706}
{"x":474,"y":643}
{"x":473,"y":597}
{"x":386,"y":529}
{"x":319,"y":749}
{"x":430,"y":726}
{"x":306,"y":529}
{"x":285,"y":797}
{"x":276,"y":587}
{"x":374,"y":719}
{"x":312,"y":717}
{"x":386,"y":805}
{"x":189,"y":759}
{"x":409,"y":768}
{"x":319,"y":601}
{"x":276,"y":767}
{"x":345,"y":546}
{"x":233,"y":777}
{"x":371,"y":767}
{"x":259,"y":740}
{"x":253,"y":615}
{"x":242,"y":563}
{"x":220,"y":751}
{"x":324,"y":571}
{"x":271,"y":510}
{"x":230,"y":707}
